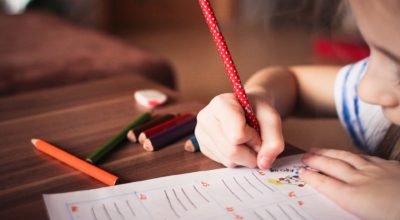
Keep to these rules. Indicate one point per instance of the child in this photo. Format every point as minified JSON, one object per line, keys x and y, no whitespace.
{"x":365,"y":95}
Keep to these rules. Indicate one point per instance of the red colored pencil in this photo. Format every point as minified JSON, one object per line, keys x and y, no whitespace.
{"x":162,"y":127}
{"x":228,"y":63}
{"x":170,"y":135}
{"x":133,"y":134}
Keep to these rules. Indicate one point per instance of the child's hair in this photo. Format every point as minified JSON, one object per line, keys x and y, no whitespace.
{"x":389,"y":148}
{"x":315,"y":14}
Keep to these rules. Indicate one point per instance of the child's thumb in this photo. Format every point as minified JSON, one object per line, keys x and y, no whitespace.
{"x":272,"y":139}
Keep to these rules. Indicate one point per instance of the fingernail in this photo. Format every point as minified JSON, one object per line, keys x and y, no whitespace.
{"x":301,"y":172}
{"x":265,"y":162}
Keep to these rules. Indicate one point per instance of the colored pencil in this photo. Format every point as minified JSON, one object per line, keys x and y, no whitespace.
{"x":192,"y":145}
{"x":161,"y":127}
{"x":230,"y":68}
{"x":75,"y":162}
{"x":133,"y":134}
{"x":102,"y":151}
{"x":170,"y":135}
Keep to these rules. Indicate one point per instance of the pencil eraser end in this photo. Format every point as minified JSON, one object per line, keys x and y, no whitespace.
{"x":150,"y":98}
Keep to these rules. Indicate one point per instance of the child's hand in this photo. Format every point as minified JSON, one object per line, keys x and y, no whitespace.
{"x":367,"y":186}
{"x":225,"y":137}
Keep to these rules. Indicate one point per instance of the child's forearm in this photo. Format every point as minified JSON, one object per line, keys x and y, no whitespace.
{"x":306,"y":90}
{"x":276,"y":83}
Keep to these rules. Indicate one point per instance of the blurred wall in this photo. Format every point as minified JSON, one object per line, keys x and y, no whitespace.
{"x":165,"y":13}
{"x":130,"y":15}
{"x":315,"y":14}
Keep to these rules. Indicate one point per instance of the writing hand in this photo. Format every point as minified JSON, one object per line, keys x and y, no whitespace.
{"x":224,"y":135}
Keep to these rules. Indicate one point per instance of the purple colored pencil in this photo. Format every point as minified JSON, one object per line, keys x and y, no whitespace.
{"x":171,"y":135}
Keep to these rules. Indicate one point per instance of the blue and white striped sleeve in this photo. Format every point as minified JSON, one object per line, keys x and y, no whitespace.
{"x":365,"y":123}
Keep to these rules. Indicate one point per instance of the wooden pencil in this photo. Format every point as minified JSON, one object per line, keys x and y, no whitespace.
{"x":229,"y":65}
{"x":97,"y":155}
{"x":75,"y":162}
{"x":133,"y":134}
{"x":164,"y":126}
{"x":170,"y":135}
{"x":192,"y":145}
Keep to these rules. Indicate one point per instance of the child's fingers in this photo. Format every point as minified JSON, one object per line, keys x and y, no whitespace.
{"x":271,"y":134}
{"x":223,"y":122}
{"x":240,"y":155}
{"x":353,"y":159}
{"x":338,"y":169}
{"x":205,"y":143}
{"x":230,"y":115}
{"x":331,"y":187}
{"x":208,"y":147}
{"x":219,"y":149}
{"x":374,"y":159}
{"x":241,"y":134}
{"x":231,"y":153}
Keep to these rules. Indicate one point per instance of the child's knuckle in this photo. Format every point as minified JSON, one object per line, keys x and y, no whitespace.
{"x":236,"y":137}
{"x":232,"y":154}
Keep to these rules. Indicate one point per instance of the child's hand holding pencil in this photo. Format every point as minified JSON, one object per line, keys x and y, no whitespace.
{"x":228,"y":130}
{"x":225,"y":137}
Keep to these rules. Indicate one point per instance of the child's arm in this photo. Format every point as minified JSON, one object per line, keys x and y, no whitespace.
{"x":298,"y":90}
{"x":223,"y":133}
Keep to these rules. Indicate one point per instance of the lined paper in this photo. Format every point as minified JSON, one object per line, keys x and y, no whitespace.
{"x":238,"y":193}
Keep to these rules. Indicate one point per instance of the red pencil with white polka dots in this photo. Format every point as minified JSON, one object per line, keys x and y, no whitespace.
{"x":228,"y":63}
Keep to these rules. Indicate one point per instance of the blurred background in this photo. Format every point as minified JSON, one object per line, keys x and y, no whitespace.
{"x":260,"y":33}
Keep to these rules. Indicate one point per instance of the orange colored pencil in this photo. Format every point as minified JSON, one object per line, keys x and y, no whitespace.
{"x":75,"y":162}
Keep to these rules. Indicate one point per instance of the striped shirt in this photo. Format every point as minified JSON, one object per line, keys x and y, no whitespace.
{"x":364,"y":123}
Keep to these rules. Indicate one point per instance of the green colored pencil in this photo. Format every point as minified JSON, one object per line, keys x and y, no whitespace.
{"x":98,"y":154}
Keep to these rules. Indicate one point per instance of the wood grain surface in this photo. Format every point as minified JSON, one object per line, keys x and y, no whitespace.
{"x":78,"y":119}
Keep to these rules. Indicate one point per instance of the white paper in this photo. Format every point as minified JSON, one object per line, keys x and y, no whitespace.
{"x":239,"y":193}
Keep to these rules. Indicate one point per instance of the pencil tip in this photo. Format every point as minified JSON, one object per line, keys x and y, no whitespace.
{"x":142,"y":137}
{"x":189,"y":146}
{"x":147,"y":145}
{"x":34,"y":141}
{"x":131,"y":136}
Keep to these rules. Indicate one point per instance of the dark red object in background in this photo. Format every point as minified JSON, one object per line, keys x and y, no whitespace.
{"x":340,"y":50}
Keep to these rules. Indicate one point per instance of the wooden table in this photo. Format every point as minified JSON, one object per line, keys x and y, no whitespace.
{"x":78,"y":119}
